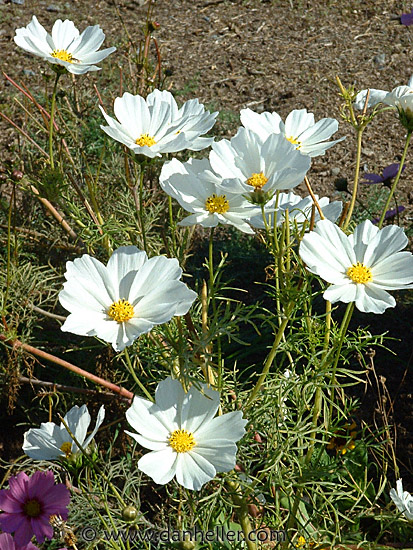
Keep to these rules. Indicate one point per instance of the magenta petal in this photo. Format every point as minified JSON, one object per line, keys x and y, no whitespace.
{"x":10,"y":504}
{"x":40,"y":483}
{"x":42,"y":528}
{"x":11,"y":522}
{"x":56,"y":501}
{"x":6,"y":542}
{"x":18,"y":486}
{"x":23,"y":533}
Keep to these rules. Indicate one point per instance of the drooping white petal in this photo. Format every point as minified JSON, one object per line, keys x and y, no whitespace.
{"x":375,"y":97}
{"x":99,"y":419}
{"x":78,"y":420}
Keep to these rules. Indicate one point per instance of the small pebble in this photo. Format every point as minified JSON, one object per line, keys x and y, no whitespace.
{"x":28,"y":72}
{"x":53,"y":8}
{"x":335,"y":171}
{"x":18,"y":2}
{"x":380,"y":60}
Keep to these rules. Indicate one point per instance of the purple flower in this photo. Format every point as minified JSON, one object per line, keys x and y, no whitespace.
{"x":7,"y":543}
{"x":389,"y":173}
{"x":28,"y":504}
{"x":407,"y":18}
{"x":390,"y":214}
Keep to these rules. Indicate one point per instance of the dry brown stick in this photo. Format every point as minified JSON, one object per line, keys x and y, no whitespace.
{"x":69,"y":366}
{"x":46,"y":116}
{"x":25,"y":134}
{"x":315,"y":201}
{"x":85,"y":202}
{"x":73,"y":389}
{"x":54,"y":213}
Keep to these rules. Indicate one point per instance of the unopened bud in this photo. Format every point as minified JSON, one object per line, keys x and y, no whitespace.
{"x":129,"y":513}
{"x":17,"y":175}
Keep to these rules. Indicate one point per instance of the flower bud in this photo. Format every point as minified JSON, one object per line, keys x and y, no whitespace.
{"x":130,"y":513}
{"x":17,"y":175}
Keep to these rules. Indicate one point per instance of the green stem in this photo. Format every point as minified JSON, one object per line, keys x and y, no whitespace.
{"x":95,"y":467}
{"x":52,"y":112}
{"x":242,"y":513}
{"x":270,"y":358}
{"x":141,"y":216}
{"x":328,"y":329}
{"x":134,"y":376}
{"x":8,"y":272}
{"x":356,"y":177}
{"x":344,"y":326}
{"x":214,"y":305}
{"x":396,"y":179}
{"x":172,"y":224}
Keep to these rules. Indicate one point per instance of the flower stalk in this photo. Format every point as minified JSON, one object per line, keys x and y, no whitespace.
{"x":51,"y":121}
{"x":396,"y":179}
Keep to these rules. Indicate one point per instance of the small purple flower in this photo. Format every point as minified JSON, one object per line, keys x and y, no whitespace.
{"x":28,"y":504}
{"x":389,"y":173}
{"x":407,"y":18}
{"x":390,"y":214}
{"x":7,"y":543}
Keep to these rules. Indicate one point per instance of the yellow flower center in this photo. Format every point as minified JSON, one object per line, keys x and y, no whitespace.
{"x":359,"y":273}
{"x":145,"y":139}
{"x":294,"y":141}
{"x":63,"y":55}
{"x":217,"y":204}
{"x":257,"y":180}
{"x":121,"y":311}
{"x":66,"y":448}
{"x":32,"y":508}
{"x":181,"y":441}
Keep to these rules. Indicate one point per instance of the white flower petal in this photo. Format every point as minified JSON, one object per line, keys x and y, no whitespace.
{"x":373,"y":299}
{"x":222,"y":455}
{"x":230,"y":427}
{"x":124,"y":260}
{"x":63,"y":34}
{"x":193,"y":470}
{"x":198,"y":407}
{"x":150,"y":420}
{"x":159,"y":465}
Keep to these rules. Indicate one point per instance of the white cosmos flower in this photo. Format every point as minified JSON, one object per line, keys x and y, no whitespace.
{"x":300,"y":129}
{"x":124,"y":299}
{"x":403,"y":500}
{"x":50,"y":441}
{"x":392,"y":98}
{"x":77,"y":53}
{"x":249,"y":163}
{"x":154,"y":126}
{"x":185,"y":439}
{"x":299,"y":210}
{"x":361,"y":266}
{"x":197,"y":189}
